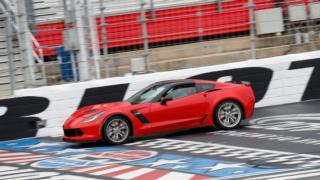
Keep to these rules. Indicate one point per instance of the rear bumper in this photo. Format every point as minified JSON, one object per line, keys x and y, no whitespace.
{"x":249,"y":107}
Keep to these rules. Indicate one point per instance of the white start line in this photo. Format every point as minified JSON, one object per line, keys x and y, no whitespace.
{"x":271,"y":137}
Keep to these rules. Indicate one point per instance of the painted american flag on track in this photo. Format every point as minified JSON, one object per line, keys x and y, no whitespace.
{"x":119,"y":163}
{"x":121,"y":171}
{"x":21,"y":158}
{"x":118,"y":171}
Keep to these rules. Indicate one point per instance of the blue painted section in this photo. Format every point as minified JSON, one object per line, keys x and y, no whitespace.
{"x":67,"y":155}
{"x":64,"y":163}
{"x":202,"y":166}
{"x":54,"y":147}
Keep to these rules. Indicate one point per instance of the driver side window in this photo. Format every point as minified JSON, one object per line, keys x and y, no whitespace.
{"x":180,"y":91}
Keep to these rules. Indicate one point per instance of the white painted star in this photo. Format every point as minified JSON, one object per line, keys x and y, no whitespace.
{"x":12,"y":144}
{"x":68,"y":150}
{"x":160,"y":162}
{"x":44,"y":144}
{"x":237,"y":172}
{"x":220,"y":166}
{"x":179,"y":166}
{"x":36,"y":150}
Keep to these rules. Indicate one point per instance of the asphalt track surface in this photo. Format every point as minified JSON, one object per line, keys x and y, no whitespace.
{"x":280,"y":142}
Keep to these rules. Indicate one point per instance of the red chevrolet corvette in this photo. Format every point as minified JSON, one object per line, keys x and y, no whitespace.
{"x":163,"y":106}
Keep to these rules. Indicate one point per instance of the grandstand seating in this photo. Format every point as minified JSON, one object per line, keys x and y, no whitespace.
{"x":176,"y":19}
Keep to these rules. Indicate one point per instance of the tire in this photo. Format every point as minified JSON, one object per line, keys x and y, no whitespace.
{"x":228,"y":115}
{"x":116,"y":130}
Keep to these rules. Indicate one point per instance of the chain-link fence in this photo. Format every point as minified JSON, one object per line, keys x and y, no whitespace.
{"x":79,"y":40}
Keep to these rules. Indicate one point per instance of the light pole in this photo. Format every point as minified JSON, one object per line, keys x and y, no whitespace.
{"x":252,"y":29}
{"x":145,"y":37}
{"x":104,"y":39}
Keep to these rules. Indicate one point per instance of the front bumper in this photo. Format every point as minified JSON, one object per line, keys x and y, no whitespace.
{"x":79,"y":140}
{"x":86,"y":133}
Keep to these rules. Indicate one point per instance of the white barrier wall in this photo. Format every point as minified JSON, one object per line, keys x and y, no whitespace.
{"x":277,"y":80}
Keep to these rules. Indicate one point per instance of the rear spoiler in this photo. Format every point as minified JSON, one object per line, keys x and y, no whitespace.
{"x":246,"y":83}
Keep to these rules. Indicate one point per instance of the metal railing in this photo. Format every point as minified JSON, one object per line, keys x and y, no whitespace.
{"x":17,"y":28}
{"x":13,"y":13}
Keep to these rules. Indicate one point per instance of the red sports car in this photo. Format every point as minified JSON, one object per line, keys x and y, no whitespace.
{"x":163,"y":106}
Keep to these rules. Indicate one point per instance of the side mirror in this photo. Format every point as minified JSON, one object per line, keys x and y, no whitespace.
{"x":164,"y":100}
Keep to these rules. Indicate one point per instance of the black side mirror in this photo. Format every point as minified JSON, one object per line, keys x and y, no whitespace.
{"x":164,"y":100}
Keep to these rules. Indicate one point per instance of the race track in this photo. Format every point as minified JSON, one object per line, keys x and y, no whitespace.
{"x":280,"y":142}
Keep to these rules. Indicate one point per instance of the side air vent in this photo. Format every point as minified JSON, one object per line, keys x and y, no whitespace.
{"x":140,"y":116}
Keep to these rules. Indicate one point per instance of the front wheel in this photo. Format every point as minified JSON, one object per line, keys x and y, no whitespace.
{"x":116,"y":130}
{"x":228,"y":115}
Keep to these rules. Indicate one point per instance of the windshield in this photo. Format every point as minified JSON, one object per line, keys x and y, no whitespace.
{"x":147,"y":94}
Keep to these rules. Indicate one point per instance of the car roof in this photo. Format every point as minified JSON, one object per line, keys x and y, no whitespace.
{"x":200,"y":81}
{"x":176,"y":81}
{"x":184,"y":81}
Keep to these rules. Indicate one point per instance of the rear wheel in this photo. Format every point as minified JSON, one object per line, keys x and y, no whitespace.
{"x":116,"y":130}
{"x":228,"y":115}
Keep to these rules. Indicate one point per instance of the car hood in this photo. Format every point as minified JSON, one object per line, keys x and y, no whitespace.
{"x":93,"y":109}
{"x":110,"y":105}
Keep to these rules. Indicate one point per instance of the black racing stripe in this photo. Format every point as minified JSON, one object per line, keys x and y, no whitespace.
{"x":141,"y":117}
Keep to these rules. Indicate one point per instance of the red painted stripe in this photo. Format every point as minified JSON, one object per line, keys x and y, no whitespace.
{"x":199,"y":177}
{"x":119,"y":156}
{"x":121,"y":171}
{"x":152,"y":175}
{"x":27,"y":159}
{"x":135,"y":153}
{"x":101,"y":169}
{"x":83,"y":168}
{"x":10,"y":152}
{"x":15,"y":155}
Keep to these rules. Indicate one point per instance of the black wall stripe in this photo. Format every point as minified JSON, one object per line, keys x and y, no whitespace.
{"x":313,"y":88}
{"x":14,"y":124}
{"x":103,"y":94}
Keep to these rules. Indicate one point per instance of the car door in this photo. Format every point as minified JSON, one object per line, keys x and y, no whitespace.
{"x":185,"y":108}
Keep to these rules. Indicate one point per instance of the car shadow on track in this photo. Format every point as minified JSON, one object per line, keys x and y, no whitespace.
{"x":175,"y":134}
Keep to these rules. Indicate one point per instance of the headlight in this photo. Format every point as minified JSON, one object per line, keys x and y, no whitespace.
{"x":93,"y":117}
